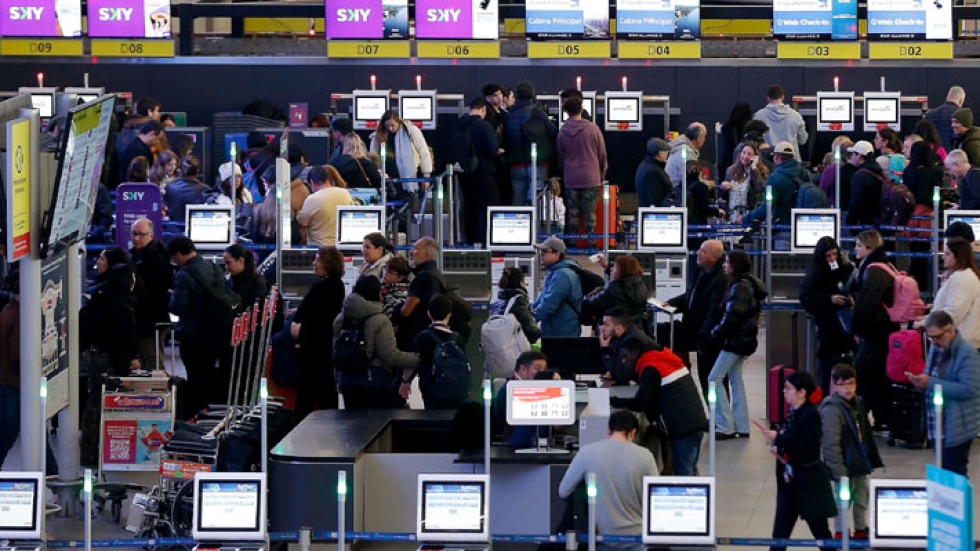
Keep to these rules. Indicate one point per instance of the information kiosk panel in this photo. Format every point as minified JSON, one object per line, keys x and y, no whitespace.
{"x":511,"y":229}
{"x":419,"y":107}
{"x":899,"y":513}
{"x":882,"y":109}
{"x":229,"y":507}
{"x":369,"y":106}
{"x":679,"y":510}
{"x":42,"y":99}
{"x":21,"y":505}
{"x":835,"y":111}
{"x":807,"y":226}
{"x":210,"y":227}
{"x":624,"y":111}
{"x":453,"y":508}
{"x":355,"y":222}
{"x":540,"y":403}
{"x":662,"y":229}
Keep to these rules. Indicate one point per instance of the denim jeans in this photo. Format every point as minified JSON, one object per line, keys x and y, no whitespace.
{"x":729,"y":363}
{"x":957,"y":458}
{"x":684,"y":454}
{"x":581,"y":204}
{"x":520,"y":178}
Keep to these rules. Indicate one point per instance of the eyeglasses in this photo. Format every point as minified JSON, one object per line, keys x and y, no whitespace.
{"x":935,"y":338}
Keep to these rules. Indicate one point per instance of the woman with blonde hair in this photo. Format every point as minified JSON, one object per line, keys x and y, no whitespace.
{"x":354,"y":165}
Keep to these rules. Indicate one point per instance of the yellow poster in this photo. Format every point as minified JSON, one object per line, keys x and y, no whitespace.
{"x":19,"y":188}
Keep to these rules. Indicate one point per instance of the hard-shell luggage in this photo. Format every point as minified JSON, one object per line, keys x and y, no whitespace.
{"x":908,"y":416}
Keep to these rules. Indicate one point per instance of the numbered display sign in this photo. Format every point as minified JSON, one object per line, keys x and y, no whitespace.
{"x":835,"y":111}
{"x":624,"y":111}
{"x":814,"y":19}
{"x":456,"y":19}
{"x":910,"y":20}
{"x":670,"y":20}
{"x":567,"y":19}
{"x":882,"y":110}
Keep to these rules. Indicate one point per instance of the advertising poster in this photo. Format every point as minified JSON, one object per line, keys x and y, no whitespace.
{"x":129,"y":18}
{"x":151,"y":435}
{"x":41,"y":18}
{"x":658,"y":19}
{"x":456,"y":19}
{"x":18,"y":189}
{"x":910,"y":20}
{"x":567,"y":19}
{"x":135,"y":201}
{"x":119,"y":441}
{"x":815,"y":19}
{"x":366,"y":19}
{"x":54,"y":330}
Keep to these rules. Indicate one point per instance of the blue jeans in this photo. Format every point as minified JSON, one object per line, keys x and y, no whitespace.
{"x":729,"y":363}
{"x":957,"y":458}
{"x":685,"y":453}
{"x":520,"y":179}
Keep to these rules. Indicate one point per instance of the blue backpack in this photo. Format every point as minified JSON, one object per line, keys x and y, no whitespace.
{"x":809,"y":196}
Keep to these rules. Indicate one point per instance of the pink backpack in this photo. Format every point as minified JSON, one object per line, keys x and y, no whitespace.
{"x":906,"y":354}
{"x":906,"y":305}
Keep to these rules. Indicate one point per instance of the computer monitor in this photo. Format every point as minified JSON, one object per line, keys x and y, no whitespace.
{"x":540,"y":403}
{"x":369,"y":106}
{"x":899,"y":513}
{"x":210,"y":227}
{"x":229,"y":507}
{"x":588,"y":106}
{"x":511,"y":229}
{"x":573,"y":356}
{"x":835,"y":109}
{"x":85,"y":95}
{"x":971,"y":217}
{"x":453,"y":508}
{"x":418,"y":106}
{"x":881,"y":110}
{"x":355,"y":222}
{"x":624,"y":111}
{"x":807,"y":226}
{"x":662,"y":229}
{"x":42,"y":99}
{"x":21,"y":505}
{"x":678,"y":510}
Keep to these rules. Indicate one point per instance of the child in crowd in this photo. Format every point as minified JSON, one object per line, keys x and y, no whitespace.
{"x":443,"y":367}
{"x":394,"y":293}
{"x":848,"y":445}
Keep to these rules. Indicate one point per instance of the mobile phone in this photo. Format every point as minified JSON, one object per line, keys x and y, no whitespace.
{"x":909,"y":374}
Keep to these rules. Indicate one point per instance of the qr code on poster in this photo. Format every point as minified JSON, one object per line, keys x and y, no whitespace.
{"x":118,"y":450}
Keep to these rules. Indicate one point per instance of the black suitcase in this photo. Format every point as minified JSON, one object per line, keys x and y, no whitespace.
{"x":908,"y":416}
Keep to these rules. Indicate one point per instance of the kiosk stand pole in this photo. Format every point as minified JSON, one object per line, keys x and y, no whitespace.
{"x":837,"y":176}
{"x":934,"y":257}
{"x":43,"y":440}
{"x":937,"y":402}
{"x":87,"y":491}
{"x":383,"y":153}
{"x":533,"y":184}
{"x":843,"y":498}
{"x":591,"y":489}
{"x":713,"y":415}
{"x":437,"y":210}
{"x":683,"y":191}
{"x":452,"y":211}
{"x":341,"y":509}
{"x":605,"y":221}
{"x":487,"y":437}
{"x":264,"y":397}
{"x":305,"y":538}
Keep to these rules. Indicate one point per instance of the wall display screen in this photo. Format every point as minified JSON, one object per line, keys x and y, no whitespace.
{"x":366,"y":19}
{"x":810,"y":225}
{"x":541,"y":402}
{"x":815,"y":19}
{"x":456,"y":19}
{"x":910,"y":20}
{"x":452,"y":508}
{"x":41,"y":18}
{"x":129,"y":19}
{"x":567,"y":19}
{"x":662,"y":229}
{"x":661,"y":19}
{"x":678,"y":510}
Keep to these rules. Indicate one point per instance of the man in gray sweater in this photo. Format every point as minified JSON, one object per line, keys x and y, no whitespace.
{"x":619,"y":466}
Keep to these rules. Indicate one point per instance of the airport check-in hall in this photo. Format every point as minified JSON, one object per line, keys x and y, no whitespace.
{"x":462,"y":274}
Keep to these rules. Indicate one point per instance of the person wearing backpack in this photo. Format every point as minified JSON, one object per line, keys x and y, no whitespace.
{"x":443,"y":369}
{"x":873,"y":288}
{"x":557,"y":306}
{"x":365,"y":356}
{"x":527,"y":122}
{"x":511,"y":328}
{"x":475,"y":149}
{"x":865,"y":204}
{"x":784,"y":182}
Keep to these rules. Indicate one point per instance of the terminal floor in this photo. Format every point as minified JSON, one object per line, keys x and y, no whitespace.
{"x":744,"y":468}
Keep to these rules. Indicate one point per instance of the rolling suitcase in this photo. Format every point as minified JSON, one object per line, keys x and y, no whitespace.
{"x":600,"y":218}
{"x":776,"y":405}
{"x":908,"y":416}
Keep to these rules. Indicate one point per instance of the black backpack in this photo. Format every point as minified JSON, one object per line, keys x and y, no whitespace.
{"x":588,"y":281}
{"x":449,"y":379}
{"x":350,"y":348}
{"x":221,"y":305}
{"x":462,"y":311}
{"x":536,"y":130}
{"x":462,"y":150}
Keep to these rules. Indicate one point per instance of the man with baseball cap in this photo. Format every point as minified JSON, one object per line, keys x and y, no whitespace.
{"x":653,"y":187}
{"x":783,"y":181}
{"x":558,"y":304}
{"x":865,"y":184}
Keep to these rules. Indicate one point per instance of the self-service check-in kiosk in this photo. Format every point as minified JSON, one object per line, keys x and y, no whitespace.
{"x":354,"y":223}
{"x":453,"y":512}
{"x":664,"y":231}
{"x":510,"y":239}
{"x":21,"y":511}
{"x":230,"y":512}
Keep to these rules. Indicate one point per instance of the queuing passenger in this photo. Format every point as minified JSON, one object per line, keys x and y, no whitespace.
{"x":156,"y":278}
{"x":479,"y":185}
{"x":698,"y":203}
{"x":230,"y":184}
{"x":407,"y":153}
{"x":164,"y":170}
{"x":318,"y":216}
{"x":783,"y":182}
{"x":527,"y":366}
{"x":354,"y":166}
{"x":518,"y":147}
{"x":10,"y":365}
{"x":138,"y":171}
{"x":702,"y":309}
{"x":824,"y":296}
{"x":923,"y":173}
{"x":828,"y":178}
{"x":146,"y":109}
{"x":889,"y":144}
{"x":245,"y":281}
{"x":558,"y":303}
{"x":865,"y":203}
{"x":731,"y":134}
{"x":653,"y":187}
{"x":394,"y":293}
{"x":582,"y":157}
{"x":959,"y":293}
{"x":955,"y":364}
{"x":494,"y":97}
{"x":666,"y":392}
{"x":186,"y":190}
{"x":442,"y":386}
{"x":513,"y":287}
{"x":927,"y":130}
{"x":377,"y":251}
{"x":299,"y":189}
{"x":737,"y":336}
{"x":493,"y":93}
{"x":148,"y":135}
{"x":625,"y":289}
{"x":967,"y":179}
{"x":313,"y":329}
{"x":965,"y":135}
{"x":378,"y":387}
{"x":785,"y":124}
{"x":941,"y":115}
{"x":871,"y":325}
{"x":510,"y":99}
{"x":745,"y":179}
{"x":619,"y":466}
{"x":848,"y":446}
{"x":428,"y":281}
{"x":802,"y":484}
{"x":691,"y":141}
{"x":340,"y":128}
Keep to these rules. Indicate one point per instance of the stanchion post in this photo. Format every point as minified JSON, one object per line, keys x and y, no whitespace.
{"x":305,"y":538}
{"x":937,"y":402}
{"x":487,"y":396}
{"x":934,"y":257}
{"x":450,"y":190}
{"x":264,"y":398}
{"x":713,"y":415}
{"x":533,"y":184}
{"x":843,"y":500}
{"x":341,"y":509}
{"x":837,"y":176}
{"x":87,"y":494}
{"x":43,"y":440}
{"x":605,"y":221}
{"x":591,"y":492}
{"x":683,"y":191}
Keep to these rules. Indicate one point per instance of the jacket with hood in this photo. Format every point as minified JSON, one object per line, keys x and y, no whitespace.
{"x":701,"y":306}
{"x":653,"y":187}
{"x":358,"y":173}
{"x":847,"y":442}
{"x":865,"y":205}
{"x":828,"y":182}
{"x":738,"y":329}
{"x":190,"y":299}
{"x":629,"y":293}
{"x":675,"y":161}
{"x":581,"y":154}
{"x":561,"y":296}
{"x":666,"y":392}
{"x":820,"y":284}
{"x":188,"y":190}
{"x":379,"y":343}
{"x":518,"y":153}
{"x":785,"y":125}
{"x":411,"y":151}
{"x":784,"y":181}
{"x":108,"y":321}
{"x":484,"y":141}
{"x":874,"y":288}
{"x":521,"y":310}
{"x":969,"y":142}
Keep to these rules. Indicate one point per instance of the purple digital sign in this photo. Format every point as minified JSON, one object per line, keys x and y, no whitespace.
{"x":135,"y":201}
{"x":41,"y":18}
{"x":129,"y":19}
{"x":366,"y":19}
{"x":443,"y":19}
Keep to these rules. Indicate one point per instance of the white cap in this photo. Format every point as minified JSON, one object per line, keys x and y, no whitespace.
{"x":225,"y":171}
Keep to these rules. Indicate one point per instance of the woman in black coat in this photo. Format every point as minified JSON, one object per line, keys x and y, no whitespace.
{"x":625,"y":289}
{"x":823,"y":294}
{"x":312,"y":328}
{"x":512,"y":285}
{"x":802,"y":482}
{"x":245,"y":281}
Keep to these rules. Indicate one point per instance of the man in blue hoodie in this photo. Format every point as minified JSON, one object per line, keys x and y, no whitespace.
{"x":785,"y":123}
{"x":561,"y":295}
